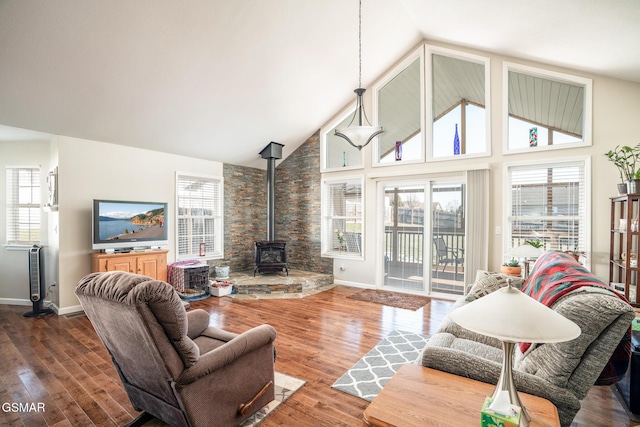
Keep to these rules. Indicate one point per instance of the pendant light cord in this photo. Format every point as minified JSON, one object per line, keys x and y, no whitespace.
{"x":360,"y":43}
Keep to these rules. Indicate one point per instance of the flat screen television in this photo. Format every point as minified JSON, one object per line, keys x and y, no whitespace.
{"x":120,"y":225}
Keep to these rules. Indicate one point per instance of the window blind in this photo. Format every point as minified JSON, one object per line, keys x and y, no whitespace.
{"x":549,"y":203}
{"x":199,"y":214}
{"x":343,"y":217}
{"x":23,"y":205}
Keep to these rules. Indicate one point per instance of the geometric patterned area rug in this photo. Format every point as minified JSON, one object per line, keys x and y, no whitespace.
{"x":367,"y":377}
{"x":285,"y":387}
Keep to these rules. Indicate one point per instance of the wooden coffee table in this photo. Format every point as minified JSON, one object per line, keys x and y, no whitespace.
{"x":417,"y":396}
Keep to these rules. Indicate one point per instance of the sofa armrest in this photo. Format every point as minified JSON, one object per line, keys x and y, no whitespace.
{"x":603,"y":319}
{"x":450,"y":327}
{"x":228,"y":353}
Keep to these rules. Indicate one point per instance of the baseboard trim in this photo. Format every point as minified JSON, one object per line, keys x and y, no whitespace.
{"x":68,"y":310}
{"x":353,"y":284}
{"x":59,"y":311}
{"x":15,"y":301}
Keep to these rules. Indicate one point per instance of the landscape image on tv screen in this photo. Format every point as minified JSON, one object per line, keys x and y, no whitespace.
{"x":134,"y":221}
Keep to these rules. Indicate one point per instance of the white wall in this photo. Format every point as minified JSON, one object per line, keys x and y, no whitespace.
{"x":93,"y":170}
{"x":14,"y":277}
{"x":616,"y":110}
{"x":53,"y":244}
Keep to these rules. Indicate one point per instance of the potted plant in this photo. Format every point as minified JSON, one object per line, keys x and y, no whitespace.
{"x":627,"y":160}
{"x":535,"y":243}
{"x":512,"y":268}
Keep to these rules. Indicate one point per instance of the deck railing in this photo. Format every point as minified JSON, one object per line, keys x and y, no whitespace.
{"x":406,"y":245}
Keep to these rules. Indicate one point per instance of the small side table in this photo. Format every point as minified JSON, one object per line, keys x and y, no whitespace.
{"x":629,"y":386}
{"x":417,"y":397}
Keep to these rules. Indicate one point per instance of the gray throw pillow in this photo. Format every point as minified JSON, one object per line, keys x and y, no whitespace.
{"x":487,"y":282}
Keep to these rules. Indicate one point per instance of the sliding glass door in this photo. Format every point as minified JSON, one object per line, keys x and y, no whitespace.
{"x":448,"y":238}
{"x":404,"y":228}
{"x":423,"y":226}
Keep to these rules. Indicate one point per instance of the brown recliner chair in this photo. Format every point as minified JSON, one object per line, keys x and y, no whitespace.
{"x":173,"y":365}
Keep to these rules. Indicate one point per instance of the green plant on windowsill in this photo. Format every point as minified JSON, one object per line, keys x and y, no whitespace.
{"x":511,"y":268}
{"x":512,"y":263}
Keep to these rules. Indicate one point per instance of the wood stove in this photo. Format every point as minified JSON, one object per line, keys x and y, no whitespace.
{"x":271,"y":257}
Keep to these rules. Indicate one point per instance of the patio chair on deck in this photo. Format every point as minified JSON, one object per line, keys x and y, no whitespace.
{"x":446,"y":256}
{"x":353,"y":242}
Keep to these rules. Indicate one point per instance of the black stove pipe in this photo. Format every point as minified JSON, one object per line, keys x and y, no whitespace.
{"x":271,"y":153}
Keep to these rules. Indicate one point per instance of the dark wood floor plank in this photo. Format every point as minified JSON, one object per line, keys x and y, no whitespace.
{"x":70,"y":408}
{"x":61,"y":360}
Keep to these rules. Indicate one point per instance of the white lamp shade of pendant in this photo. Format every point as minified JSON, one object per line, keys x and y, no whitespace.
{"x":359,"y":135}
{"x":510,"y":315}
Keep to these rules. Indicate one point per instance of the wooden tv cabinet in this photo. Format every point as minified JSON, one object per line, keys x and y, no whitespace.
{"x":152,"y":263}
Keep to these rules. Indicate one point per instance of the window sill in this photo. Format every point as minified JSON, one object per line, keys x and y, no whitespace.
{"x":343,"y":255}
{"x":199,"y":258}
{"x":14,"y":247}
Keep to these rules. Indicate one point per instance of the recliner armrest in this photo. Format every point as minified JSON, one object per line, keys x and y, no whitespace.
{"x":219,"y":357}
{"x":197,"y":322}
{"x":218,"y":334}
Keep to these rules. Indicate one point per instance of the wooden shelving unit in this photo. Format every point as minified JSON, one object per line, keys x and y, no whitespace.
{"x":624,"y":246}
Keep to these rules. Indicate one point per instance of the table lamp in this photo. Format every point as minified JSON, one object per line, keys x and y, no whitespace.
{"x":525,"y":251}
{"x":511,"y":316}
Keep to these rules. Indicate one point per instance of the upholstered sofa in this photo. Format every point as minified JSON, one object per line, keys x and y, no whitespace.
{"x":173,"y":365}
{"x":560,"y":372}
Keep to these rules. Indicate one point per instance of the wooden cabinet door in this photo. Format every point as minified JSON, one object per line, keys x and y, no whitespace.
{"x":154,"y":266}
{"x":127,"y":264}
{"x":151,"y":263}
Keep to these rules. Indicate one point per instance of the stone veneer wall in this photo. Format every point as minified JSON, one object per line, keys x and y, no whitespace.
{"x":298,"y":207}
{"x":245,"y":216}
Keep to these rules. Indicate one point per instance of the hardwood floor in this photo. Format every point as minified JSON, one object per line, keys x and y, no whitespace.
{"x":60,"y":362}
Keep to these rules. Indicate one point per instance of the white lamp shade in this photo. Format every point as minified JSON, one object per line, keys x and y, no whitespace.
{"x":359,"y":135}
{"x":510,"y":315}
{"x":524,"y":251}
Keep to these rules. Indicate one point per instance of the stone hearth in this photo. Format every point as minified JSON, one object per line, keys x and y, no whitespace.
{"x":297,"y":283}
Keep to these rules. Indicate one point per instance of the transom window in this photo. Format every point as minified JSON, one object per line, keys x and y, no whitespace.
{"x":399,"y":111}
{"x":336,"y":152}
{"x":459,"y":104}
{"x":545,"y":109}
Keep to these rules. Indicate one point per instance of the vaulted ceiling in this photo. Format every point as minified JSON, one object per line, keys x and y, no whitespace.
{"x":219,"y":79}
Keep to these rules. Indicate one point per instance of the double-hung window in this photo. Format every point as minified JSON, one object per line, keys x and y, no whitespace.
{"x":23,"y":206}
{"x":342,"y":217}
{"x":200,"y":216}
{"x":548,"y":202}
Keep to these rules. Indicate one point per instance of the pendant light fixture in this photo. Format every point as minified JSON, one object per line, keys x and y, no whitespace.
{"x":359,"y":133}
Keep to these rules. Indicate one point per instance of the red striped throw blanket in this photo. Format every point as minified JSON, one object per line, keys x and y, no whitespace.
{"x":556,"y":274}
